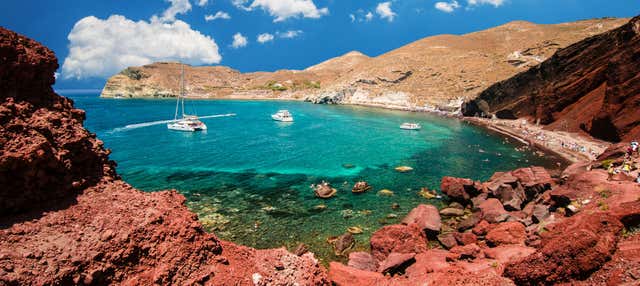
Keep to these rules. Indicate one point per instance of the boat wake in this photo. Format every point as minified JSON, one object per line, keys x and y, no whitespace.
{"x":152,"y":123}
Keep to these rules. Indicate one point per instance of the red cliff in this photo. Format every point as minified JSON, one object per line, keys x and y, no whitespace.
{"x":66,"y":218}
{"x":593,"y":86}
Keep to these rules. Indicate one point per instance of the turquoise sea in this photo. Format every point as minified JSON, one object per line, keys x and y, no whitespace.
{"x":248,"y":178}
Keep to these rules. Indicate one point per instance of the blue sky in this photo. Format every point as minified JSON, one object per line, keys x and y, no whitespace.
{"x":94,"y":39}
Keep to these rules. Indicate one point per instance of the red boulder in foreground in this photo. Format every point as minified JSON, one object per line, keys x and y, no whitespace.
{"x":397,"y":238}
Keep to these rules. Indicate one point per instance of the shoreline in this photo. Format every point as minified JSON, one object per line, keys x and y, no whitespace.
{"x":509,"y":128}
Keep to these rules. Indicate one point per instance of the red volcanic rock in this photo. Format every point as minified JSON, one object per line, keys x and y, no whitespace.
{"x":68,"y":220}
{"x":469,"y":251}
{"x":448,"y":240}
{"x":512,"y":232}
{"x":397,"y":238}
{"x":506,"y":254}
{"x":459,"y":189}
{"x":482,"y":228}
{"x":493,"y":211}
{"x":45,"y":153}
{"x":363,"y":261}
{"x":470,"y":221}
{"x":342,"y":275}
{"x":580,"y":245}
{"x":465,"y":238}
{"x":535,"y":180}
{"x":591,"y":85}
{"x":426,"y":217}
{"x":460,"y":276}
{"x":622,"y":269}
{"x":427,"y":262}
{"x":396,"y":263}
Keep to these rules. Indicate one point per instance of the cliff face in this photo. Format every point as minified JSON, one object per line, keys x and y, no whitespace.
{"x":593,"y":85}
{"x":435,"y":72}
{"x":67,"y":219}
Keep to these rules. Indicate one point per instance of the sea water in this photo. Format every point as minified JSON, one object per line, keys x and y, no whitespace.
{"x":248,"y":177}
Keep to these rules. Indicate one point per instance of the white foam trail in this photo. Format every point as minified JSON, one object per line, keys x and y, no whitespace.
{"x":147,"y":124}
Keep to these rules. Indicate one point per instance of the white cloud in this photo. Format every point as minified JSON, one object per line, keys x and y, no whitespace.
{"x":369,"y":16}
{"x":352,"y":17}
{"x":495,"y":3}
{"x":289,"y":34}
{"x":284,"y":9}
{"x":447,"y":7}
{"x":239,"y":41}
{"x":177,"y":7}
{"x":385,"y":12}
{"x":202,"y":2}
{"x":218,"y":15}
{"x":101,"y":48}
{"x":266,"y":37}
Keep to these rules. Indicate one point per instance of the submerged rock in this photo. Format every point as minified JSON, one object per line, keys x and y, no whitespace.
{"x":385,"y":193}
{"x":404,"y":169}
{"x":343,"y":243}
{"x":324,"y":190}
{"x":354,"y":230}
{"x":361,"y":187}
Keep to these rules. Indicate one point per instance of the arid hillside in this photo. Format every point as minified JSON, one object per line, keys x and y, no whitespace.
{"x":592,"y":86}
{"x":435,"y":72}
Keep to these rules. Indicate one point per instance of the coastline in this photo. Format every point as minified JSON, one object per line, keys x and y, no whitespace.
{"x":509,"y":128}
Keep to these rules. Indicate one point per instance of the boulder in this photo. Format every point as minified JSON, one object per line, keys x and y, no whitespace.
{"x":343,"y":243}
{"x":512,"y":232}
{"x":397,"y":238}
{"x":512,"y":198}
{"x":535,"y":180}
{"x":426,"y":217}
{"x":571,"y":249}
{"x":448,"y":240}
{"x":540,"y":213}
{"x":342,"y":275}
{"x":458,"y":189}
{"x":493,"y":211}
{"x":482,"y":228}
{"x":427,"y":262}
{"x":451,"y":212}
{"x":506,"y":254}
{"x":470,"y":251}
{"x":470,"y":221}
{"x":363,"y":261}
{"x":465,"y":238}
{"x":396,"y":263}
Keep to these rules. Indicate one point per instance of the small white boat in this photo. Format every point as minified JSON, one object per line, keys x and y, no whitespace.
{"x":410,"y":126}
{"x":189,"y":123}
{"x":282,"y":115}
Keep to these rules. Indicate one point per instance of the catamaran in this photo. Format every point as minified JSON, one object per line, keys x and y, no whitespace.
{"x":186,"y":122}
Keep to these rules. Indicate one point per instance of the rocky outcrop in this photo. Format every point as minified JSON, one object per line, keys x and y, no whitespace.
{"x":68,"y":220}
{"x":592,"y":85}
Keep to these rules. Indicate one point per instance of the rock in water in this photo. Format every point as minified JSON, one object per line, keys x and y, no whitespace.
{"x":403,"y":169}
{"x":343,"y":243}
{"x":361,"y":187}
{"x":324,"y":190}
{"x":385,"y":193}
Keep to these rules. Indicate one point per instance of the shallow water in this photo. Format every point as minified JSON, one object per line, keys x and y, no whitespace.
{"x":248,"y":177}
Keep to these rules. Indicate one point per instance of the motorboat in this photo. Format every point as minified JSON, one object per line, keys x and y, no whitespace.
{"x":184,"y":122}
{"x":410,"y":126}
{"x":282,"y":115}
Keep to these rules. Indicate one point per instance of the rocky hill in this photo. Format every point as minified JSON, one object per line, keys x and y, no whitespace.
{"x":67,"y":219}
{"x":591,"y":86}
{"x":435,"y":72}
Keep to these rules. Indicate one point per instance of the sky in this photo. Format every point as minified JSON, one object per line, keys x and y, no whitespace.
{"x":96,"y":39}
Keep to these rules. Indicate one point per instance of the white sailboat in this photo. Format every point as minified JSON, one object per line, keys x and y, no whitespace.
{"x":186,"y":122}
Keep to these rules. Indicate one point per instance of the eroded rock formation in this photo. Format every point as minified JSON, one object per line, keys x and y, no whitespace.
{"x":592,"y":85}
{"x":67,"y":219}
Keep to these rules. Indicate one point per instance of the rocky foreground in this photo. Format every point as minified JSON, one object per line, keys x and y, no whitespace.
{"x":67,"y":218}
{"x":437,"y":72}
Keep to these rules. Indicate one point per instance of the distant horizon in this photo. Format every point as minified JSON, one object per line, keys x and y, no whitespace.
{"x":95,"y":40}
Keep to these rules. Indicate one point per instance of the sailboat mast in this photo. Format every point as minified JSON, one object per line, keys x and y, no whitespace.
{"x":182,"y":91}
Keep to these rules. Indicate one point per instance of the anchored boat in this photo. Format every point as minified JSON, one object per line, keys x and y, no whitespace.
{"x":282,"y":115}
{"x":410,"y":126}
{"x":186,"y":122}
